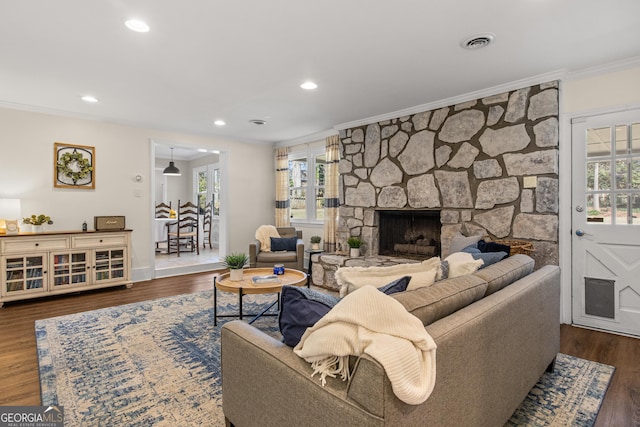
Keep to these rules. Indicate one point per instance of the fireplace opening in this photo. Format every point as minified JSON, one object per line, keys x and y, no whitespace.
{"x":409,"y":233}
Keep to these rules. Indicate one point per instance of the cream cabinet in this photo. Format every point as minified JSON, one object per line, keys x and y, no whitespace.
{"x":35,"y":265}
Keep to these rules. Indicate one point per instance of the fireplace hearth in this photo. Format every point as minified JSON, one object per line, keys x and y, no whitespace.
{"x":409,"y":233}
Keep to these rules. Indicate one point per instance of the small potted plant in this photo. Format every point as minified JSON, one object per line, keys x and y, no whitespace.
{"x":315,"y":242}
{"x":235,"y":263}
{"x":37,"y":221}
{"x":354,"y":246}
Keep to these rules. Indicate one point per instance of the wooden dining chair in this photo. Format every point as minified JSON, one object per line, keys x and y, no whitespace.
{"x":206,"y":226}
{"x":163,"y":210}
{"x":185,"y":232}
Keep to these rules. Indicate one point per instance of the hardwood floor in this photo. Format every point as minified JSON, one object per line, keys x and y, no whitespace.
{"x":19,"y":383}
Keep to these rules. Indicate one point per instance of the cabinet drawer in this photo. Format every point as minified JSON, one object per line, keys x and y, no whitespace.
{"x":98,"y":241}
{"x":34,"y":244}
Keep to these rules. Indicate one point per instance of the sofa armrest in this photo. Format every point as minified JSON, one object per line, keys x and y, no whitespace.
{"x":300,"y":254}
{"x":254,"y":250}
{"x":264,"y":383}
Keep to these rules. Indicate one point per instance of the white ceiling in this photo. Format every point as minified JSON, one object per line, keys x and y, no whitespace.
{"x":243,"y":60}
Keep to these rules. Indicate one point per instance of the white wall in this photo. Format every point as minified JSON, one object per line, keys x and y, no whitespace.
{"x":586,"y":94}
{"x":122,"y":152}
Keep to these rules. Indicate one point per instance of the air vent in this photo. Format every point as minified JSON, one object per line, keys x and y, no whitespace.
{"x":258,"y":122}
{"x":478,"y":41}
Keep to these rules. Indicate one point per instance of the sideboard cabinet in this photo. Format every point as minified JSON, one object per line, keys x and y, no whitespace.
{"x":42,"y":264}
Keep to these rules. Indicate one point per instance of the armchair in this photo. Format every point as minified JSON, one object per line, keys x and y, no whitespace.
{"x":290,"y":259}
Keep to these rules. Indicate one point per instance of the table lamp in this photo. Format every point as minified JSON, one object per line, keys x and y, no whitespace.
{"x":9,"y":216}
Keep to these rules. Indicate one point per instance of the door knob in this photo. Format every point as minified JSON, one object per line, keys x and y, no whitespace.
{"x":581,"y":233}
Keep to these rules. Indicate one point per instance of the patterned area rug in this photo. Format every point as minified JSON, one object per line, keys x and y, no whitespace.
{"x":158,"y":363}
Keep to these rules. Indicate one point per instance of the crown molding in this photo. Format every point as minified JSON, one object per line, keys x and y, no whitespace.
{"x":314,"y":137}
{"x":610,"y":67}
{"x":494,"y":90}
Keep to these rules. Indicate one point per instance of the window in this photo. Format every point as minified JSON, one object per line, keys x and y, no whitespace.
{"x":613,"y":174}
{"x":207,"y":187}
{"x":306,"y":185}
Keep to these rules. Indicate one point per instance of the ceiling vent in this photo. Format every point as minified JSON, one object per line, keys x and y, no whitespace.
{"x":258,"y":122}
{"x":477,"y":41}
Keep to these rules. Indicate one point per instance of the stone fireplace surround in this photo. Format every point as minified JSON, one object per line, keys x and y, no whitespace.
{"x":488,"y":165}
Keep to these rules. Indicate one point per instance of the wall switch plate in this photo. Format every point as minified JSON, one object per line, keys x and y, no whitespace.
{"x":530,"y":181}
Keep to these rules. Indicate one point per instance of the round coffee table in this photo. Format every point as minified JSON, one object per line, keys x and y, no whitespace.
{"x":247,"y":287}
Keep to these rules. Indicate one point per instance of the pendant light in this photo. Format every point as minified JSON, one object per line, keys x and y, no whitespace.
{"x":171,"y":170}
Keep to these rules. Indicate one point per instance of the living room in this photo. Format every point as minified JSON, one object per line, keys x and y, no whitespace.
{"x":125,"y":143}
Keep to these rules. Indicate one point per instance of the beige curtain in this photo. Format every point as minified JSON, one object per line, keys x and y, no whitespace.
{"x":331,"y":194}
{"x":282,"y":187}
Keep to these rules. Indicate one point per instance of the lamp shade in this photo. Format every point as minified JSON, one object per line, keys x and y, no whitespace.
{"x":10,"y":208}
{"x":171,"y":170}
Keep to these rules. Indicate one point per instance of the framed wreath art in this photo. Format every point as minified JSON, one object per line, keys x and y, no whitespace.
{"x":74,"y":166}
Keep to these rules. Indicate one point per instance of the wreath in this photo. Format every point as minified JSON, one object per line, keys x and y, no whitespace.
{"x":74,"y":165}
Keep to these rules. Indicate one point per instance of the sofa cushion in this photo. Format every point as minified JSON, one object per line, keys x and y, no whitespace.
{"x":301,"y":308}
{"x":462,"y":263}
{"x":459,"y":242}
{"x":422,"y":274}
{"x":398,"y":285}
{"x":283,"y":243}
{"x":505,"y":272}
{"x":442,"y":298}
{"x":276,"y":257}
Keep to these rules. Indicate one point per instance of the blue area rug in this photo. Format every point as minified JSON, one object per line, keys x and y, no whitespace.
{"x":158,"y":363}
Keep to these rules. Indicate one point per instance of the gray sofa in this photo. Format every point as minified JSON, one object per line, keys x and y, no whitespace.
{"x":491,"y":352}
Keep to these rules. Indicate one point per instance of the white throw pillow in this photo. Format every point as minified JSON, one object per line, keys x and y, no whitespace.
{"x":459,"y":242}
{"x":422,"y":274}
{"x":264,"y":233}
{"x":461,"y":263}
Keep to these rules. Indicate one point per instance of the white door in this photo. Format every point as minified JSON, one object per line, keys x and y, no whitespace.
{"x":606,"y":222}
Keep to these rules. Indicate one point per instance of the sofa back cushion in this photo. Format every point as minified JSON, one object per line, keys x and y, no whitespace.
{"x":422,"y":274}
{"x":505,"y":272}
{"x":442,"y":298}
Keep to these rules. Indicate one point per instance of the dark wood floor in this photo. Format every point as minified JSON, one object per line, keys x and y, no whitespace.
{"x":19,"y":384}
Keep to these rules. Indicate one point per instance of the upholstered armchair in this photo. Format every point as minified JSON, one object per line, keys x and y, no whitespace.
{"x":290,"y":259}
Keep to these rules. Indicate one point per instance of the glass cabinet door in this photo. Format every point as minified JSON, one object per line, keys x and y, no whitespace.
{"x":24,"y":274}
{"x":109,"y":265}
{"x":69,"y":269}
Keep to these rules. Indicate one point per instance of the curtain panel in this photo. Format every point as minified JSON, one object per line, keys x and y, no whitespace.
{"x":282,"y":187}
{"x":331,"y":193}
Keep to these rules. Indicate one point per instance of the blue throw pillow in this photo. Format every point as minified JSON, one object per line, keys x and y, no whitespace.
{"x":398,"y":285}
{"x":489,"y":257}
{"x":301,"y":308}
{"x":283,"y":243}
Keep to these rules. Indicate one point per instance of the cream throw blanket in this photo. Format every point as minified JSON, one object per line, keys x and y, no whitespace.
{"x":369,"y":322}
{"x":264,"y":233}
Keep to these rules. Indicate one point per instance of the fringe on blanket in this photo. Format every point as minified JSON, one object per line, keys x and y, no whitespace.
{"x":331,"y":366}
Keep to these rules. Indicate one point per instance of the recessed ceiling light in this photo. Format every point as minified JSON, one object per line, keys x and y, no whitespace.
{"x":137,"y":25}
{"x":258,"y":122}
{"x":309,"y":85}
{"x":202,"y":150}
{"x":478,"y":41}
{"x":89,"y":98}
{"x":219,"y":122}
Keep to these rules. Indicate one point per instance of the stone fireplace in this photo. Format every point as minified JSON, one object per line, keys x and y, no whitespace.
{"x":488,"y":165}
{"x":409,"y":233}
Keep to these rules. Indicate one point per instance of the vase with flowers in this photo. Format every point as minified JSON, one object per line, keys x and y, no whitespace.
{"x":37,"y":222}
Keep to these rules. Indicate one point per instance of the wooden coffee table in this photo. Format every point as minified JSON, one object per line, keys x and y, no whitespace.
{"x":248,"y":287}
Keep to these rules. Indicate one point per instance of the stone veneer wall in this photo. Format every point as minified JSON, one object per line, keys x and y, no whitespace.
{"x":489,"y":164}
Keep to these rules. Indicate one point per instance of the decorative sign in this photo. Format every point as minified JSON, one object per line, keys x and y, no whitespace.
{"x":74,"y":166}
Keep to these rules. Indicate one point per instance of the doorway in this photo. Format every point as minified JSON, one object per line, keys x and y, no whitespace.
{"x":188,"y":187}
{"x":606,"y":222}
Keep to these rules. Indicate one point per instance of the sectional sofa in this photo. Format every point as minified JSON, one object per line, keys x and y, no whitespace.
{"x":497,"y":331}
